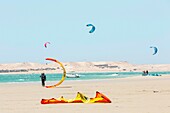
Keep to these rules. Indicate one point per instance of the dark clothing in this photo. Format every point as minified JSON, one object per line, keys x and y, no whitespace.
{"x":147,"y":72}
{"x":43,"y":79}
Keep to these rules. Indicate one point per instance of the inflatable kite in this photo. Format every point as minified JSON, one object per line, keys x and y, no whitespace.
{"x":64,"y":73}
{"x":80,"y":98}
{"x":155,"y":50}
{"x":92,"y":29}
{"x":45,"y":45}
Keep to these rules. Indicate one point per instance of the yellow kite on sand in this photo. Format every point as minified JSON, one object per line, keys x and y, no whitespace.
{"x":80,"y":98}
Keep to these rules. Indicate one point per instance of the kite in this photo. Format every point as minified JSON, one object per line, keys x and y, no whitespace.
{"x":64,"y":73}
{"x":155,"y":50}
{"x":92,"y":29}
{"x":45,"y":45}
{"x":80,"y":98}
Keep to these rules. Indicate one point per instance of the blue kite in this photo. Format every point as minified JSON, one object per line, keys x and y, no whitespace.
{"x":155,"y":50}
{"x":92,"y":29}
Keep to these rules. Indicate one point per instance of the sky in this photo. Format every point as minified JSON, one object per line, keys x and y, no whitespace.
{"x":125,"y":30}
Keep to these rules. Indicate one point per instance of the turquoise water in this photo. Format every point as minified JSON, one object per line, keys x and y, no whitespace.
{"x":12,"y":78}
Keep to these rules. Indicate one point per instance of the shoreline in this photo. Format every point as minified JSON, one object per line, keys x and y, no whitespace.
{"x":93,"y":80}
{"x":55,"y":72}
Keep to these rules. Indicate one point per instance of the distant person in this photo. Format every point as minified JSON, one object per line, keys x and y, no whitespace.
{"x":144,"y":72}
{"x":147,"y":72}
{"x":43,"y":79}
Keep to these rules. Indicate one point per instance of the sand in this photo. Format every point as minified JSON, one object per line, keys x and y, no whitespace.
{"x":142,"y":94}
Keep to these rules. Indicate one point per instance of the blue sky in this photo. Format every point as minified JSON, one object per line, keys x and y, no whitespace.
{"x":125,"y":29}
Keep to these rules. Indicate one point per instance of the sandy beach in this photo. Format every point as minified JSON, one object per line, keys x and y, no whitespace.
{"x":142,"y":94}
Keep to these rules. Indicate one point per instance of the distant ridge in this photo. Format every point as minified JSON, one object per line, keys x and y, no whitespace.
{"x":81,"y":67}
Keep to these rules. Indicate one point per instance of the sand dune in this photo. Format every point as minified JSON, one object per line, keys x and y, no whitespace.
{"x":81,"y":67}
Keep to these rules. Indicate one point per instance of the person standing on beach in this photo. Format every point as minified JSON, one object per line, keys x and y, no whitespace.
{"x":147,"y":72}
{"x":43,"y":79}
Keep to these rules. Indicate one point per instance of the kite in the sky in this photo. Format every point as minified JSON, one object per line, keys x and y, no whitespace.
{"x":92,"y":29}
{"x":45,"y":45}
{"x":155,"y":50}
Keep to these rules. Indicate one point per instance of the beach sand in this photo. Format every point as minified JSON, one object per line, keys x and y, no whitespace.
{"x":142,"y":94}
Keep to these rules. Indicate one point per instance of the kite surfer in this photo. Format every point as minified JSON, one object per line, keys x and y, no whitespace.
{"x":43,"y":79}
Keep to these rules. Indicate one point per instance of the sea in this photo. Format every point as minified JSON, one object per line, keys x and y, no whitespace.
{"x":17,"y":78}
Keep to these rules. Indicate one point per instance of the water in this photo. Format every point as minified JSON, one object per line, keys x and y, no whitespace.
{"x":13,"y":78}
